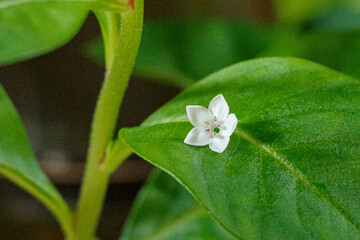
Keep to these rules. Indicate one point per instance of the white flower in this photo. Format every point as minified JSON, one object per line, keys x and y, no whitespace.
{"x":212,"y":126}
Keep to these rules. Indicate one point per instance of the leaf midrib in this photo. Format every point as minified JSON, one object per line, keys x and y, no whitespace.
{"x":301,"y":177}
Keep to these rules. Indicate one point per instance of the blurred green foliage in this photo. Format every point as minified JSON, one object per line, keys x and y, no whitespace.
{"x":18,"y":163}
{"x":165,"y":210}
{"x":295,"y":13}
{"x":182,"y":52}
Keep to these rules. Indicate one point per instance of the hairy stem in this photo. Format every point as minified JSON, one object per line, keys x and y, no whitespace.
{"x":97,"y":175}
{"x":109,"y":24}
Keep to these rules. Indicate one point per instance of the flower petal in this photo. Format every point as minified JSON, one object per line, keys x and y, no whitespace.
{"x":219,"y":107}
{"x":198,"y":137}
{"x":229,"y":125}
{"x":219,"y":143}
{"x":198,"y":115}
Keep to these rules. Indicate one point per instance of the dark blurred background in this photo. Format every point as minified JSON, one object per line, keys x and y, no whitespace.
{"x":184,"y":41}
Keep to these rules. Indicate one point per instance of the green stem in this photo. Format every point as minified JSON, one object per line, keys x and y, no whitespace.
{"x":91,"y":204}
{"x":97,"y":175}
{"x":109,"y":24}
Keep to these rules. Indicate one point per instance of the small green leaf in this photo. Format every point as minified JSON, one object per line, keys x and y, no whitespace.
{"x":165,"y":210}
{"x":18,"y":164}
{"x":292,"y":167}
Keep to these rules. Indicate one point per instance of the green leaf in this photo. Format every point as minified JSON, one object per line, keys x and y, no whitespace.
{"x":18,"y":164}
{"x":32,"y":27}
{"x":294,"y":13}
{"x":165,"y":210}
{"x":204,"y":46}
{"x":95,"y":50}
{"x":337,"y":17}
{"x":297,"y":12}
{"x":337,"y":50}
{"x":292,"y":167}
{"x":182,"y":60}
{"x":110,"y":5}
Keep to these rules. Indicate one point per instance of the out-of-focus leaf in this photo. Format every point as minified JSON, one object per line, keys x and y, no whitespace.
{"x":165,"y":210}
{"x":337,"y":50}
{"x":18,"y":164}
{"x":110,"y":5}
{"x":181,"y":52}
{"x":292,"y":167}
{"x":337,"y":17}
{"x":293,"y":14}
{"x":95,"y":50}
{"x":29,"y":28}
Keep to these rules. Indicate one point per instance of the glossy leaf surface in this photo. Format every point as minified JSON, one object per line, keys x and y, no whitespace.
{"x":18,"y":164}
{"x":165,"y":210}
{"x":292,"y":167}
{"x":31,"y":28}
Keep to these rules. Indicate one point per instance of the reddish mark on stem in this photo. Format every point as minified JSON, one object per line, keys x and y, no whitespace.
{"x":131,"y":4}
{"x":102,"y":160}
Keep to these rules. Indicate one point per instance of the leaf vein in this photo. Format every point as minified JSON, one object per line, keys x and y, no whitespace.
{"x":301,"y":177}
